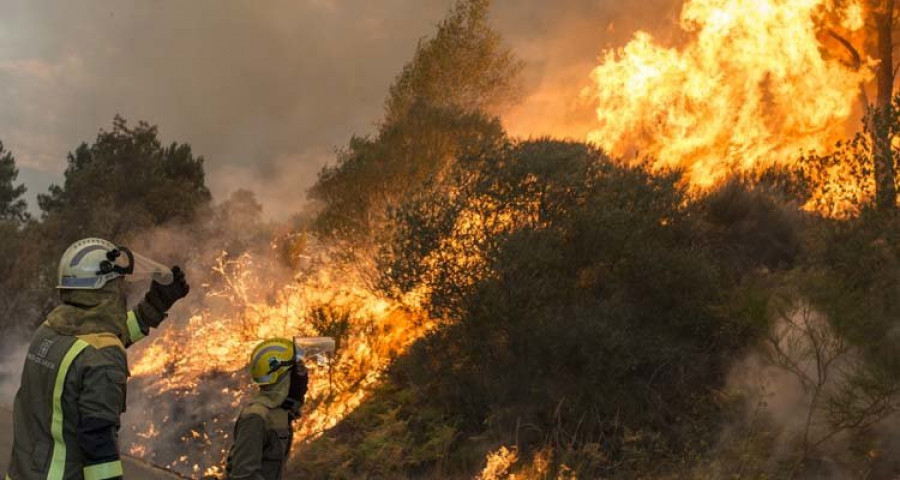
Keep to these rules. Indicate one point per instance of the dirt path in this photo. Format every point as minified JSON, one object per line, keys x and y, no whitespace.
{"x":135,"y":469}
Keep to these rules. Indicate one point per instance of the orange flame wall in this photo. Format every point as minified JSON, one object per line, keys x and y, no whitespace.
{"x":751,"y":86}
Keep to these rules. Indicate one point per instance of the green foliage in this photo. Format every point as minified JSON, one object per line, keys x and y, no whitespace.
{"x":118,"y":187}
{"x":834,"y":340}
{"x":19,"y":244}
{"x":600,"y":283}
{"x":374,"y":175}
{"x":434,"y":112}
{"x":124,"y":182}
{"x":751,"y":226}
{"x":379,"y":441}
{"x":857,"y":282}
{"x":590,"y":308}
{"x":12,"y":206}
{"x":464,"y":66}
{"x":21,"y":298}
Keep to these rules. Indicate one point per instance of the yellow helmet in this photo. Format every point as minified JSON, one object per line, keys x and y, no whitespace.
{"x":272,"y":359}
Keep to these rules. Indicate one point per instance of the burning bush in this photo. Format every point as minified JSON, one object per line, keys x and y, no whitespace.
{"x":585,"y":308}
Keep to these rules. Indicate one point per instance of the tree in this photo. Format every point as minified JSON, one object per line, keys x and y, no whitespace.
{"x":17,"y":249}
{"x":465,"y":65}
{"x":883,"y":14}
{"x":375,"y":175}
{"x":881,"y":19}
{"x":837,"y":383}
{"x":124,"y":182}
{"x":12,"y":206}
{"x":856,"y":159}
{"x":23,"y":298}
{"x":438,"y":105}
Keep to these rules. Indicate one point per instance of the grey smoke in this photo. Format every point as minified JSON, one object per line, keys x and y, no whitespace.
{"x":264,"y":90}
{"x":14,"y":348}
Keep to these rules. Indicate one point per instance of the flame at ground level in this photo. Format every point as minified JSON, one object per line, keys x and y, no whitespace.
{"x":198,"y":369}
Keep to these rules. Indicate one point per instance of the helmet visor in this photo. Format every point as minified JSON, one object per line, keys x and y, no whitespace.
{"x":143,"y":268}
{"x":319,"y":348}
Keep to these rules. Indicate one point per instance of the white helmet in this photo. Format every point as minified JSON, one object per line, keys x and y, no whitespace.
{"x":90,"y":263}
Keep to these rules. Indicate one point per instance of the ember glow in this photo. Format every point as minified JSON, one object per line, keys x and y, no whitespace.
{"x":750,"y":87}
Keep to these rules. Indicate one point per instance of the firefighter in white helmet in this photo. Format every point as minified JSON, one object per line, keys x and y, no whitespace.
{"x":66,"y":412}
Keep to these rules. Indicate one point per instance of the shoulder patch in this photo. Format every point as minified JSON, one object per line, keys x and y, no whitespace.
{"x":102,"y":340}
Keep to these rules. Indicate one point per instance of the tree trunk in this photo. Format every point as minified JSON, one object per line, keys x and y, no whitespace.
{"x":885,"y":189}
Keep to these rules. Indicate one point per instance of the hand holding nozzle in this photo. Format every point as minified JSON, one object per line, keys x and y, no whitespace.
{"x":320,"y":348}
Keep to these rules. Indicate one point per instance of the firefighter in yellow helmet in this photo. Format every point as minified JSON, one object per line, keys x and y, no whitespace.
{"x":66,"y":412}
{"x":263,"y":433}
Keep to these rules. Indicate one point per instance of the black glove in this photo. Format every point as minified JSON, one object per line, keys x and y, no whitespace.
{"x":297,"y":391}
{"x":160,"y":298}
{"x":299,"y":383}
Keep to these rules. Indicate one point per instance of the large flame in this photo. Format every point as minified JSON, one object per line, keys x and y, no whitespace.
{"x":750,"y":88}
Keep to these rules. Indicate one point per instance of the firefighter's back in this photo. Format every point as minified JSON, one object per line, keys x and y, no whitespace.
{"x":52,"y":397}
{"x":262,"y":444}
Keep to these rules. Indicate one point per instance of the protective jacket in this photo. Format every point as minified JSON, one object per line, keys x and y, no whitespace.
{"x":66,"y":412}
{"x":262,"y":436}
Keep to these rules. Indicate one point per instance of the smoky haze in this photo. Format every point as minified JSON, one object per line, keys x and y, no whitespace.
{"x":266,"y":91}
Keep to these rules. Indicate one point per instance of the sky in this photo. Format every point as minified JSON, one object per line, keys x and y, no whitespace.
{"x":267,"y":91}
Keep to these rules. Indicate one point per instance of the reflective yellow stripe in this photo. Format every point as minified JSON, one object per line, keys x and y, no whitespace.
{"x":134,"y":327}
{"x":58,"y":465}
{"x":102,"y":471}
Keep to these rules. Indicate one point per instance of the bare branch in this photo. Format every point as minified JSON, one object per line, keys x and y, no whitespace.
{"x":856,"y":64}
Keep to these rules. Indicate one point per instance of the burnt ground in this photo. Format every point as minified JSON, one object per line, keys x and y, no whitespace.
{"x":135,"y":469}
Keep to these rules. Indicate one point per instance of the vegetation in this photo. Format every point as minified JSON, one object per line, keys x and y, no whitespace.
{"x":118,"y":187}
{"x":464,"y":66}
{"x":595,"y":318}
{"x":879,"y":43}
{"x":433,"y":113}
{"x":12,"y":206}
{"x":125,"y":182}
{"x":600,"y":321}
{"x":16,"y":258}
{"x":572,"y":274}
{"x":595,"y":315}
